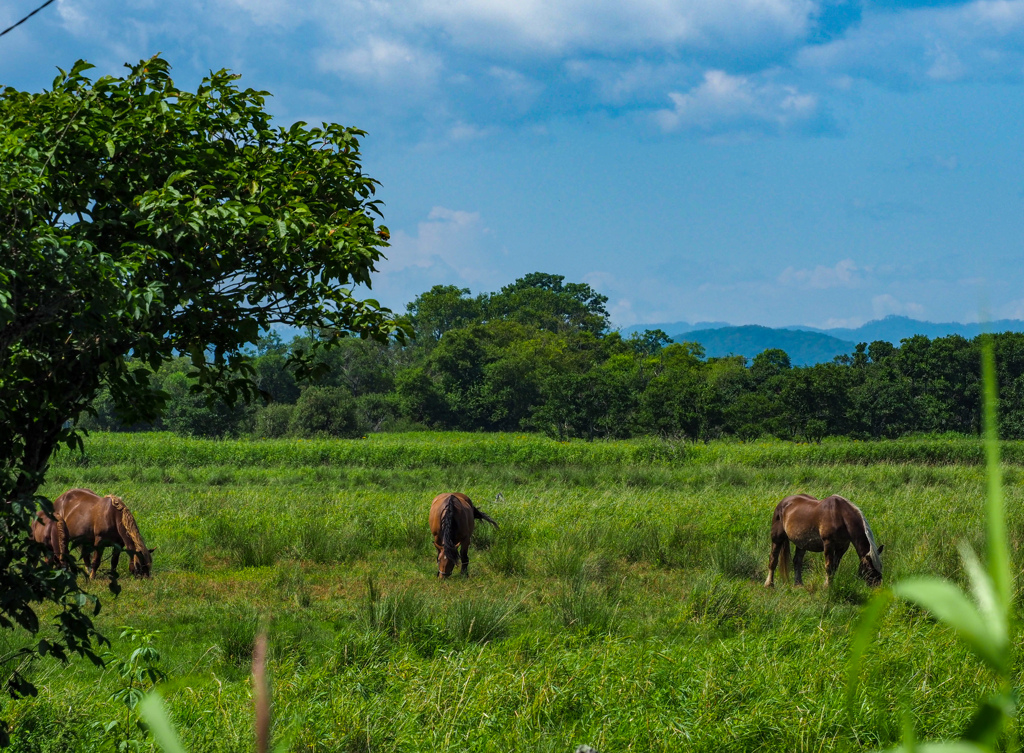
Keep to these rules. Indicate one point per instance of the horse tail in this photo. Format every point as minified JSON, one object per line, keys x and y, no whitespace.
{"x":483,"y":516}
{"x":59,"y":539}
{"x":127,"y":527}
{"x":448,"y":541}
{"x":784,"y":561}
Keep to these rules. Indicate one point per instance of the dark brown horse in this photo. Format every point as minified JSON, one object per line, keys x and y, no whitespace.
{"x":102,"y":521}
{"x":829,"y":525}
{"x":52,"y":532}
{"x":452,"y":518}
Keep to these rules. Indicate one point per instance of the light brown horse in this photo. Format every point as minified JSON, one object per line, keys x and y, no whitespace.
{"x":829,"y":525}
{"x":102,"y":521}
{"x":452,"y":518}
{"x":51,"y":532}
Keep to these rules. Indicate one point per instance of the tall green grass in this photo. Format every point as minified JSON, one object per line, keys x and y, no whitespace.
{"x":221,"y":461}
{"x":619,"y":604}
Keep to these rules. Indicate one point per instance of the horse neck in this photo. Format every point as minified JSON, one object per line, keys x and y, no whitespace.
{"x":127,"y":527}
{"x":860,"y":535}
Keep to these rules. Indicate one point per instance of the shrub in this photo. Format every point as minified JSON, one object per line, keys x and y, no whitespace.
{"x":326,"y":411}
{"x":377,"y":411}
{"x":273,"y":420}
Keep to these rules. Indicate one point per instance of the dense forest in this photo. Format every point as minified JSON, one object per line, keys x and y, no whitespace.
{"x":539,"y":355}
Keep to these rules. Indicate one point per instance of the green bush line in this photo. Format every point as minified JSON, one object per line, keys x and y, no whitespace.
{"x":457,"y":449}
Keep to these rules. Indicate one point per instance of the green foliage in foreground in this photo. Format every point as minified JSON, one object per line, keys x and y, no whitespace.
{"x":137,"y":221}
{"x":619,"y":604}
{"x":983,"y":620}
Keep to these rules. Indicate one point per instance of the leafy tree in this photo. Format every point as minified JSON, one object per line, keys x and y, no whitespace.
{"x":768,"y":364}
{"x":274,"y":379}
{"x":419,"y":398}
{"x":544,"y":301}
{"x":140,"y":219}
{"x":649,"y":342}
{"x":944,"y":382}
{"x":193,"y":414}
{"x":377,"y":411}
{"x":273,"y":421}
{"x":674,"y":403}
{"x":883,"y":401}
{"x":817,"y":400}
{"x":441,"y":309}
{"x":325,"y":412}
{"x":591,"y":405}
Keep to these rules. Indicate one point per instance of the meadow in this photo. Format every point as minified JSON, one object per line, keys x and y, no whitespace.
{"x":620,"y":604}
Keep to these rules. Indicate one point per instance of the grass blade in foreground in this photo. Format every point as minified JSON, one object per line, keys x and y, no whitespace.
{"x":983,"y":623}
{"x":152,"y":709}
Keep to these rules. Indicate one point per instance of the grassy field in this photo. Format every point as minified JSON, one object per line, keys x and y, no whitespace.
{"x":620,"y":604}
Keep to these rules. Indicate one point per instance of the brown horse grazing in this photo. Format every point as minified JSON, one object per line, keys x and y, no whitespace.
{"x":52,"y":533}
{"x":452,"y":518}
{"x":102,"y":521}
{"x":829,"y":525}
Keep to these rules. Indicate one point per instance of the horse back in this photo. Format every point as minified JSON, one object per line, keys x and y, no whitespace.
{"x":462,"y":509}
{"x":87,"y":515}
{"x":798,"y":519}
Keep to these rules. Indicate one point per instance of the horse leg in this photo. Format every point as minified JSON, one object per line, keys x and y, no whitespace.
{"x":798,"y":566}
{"x":114,"y":557}
{"x":833,"y":555}
{"x":773,"y":562}
{"x":464,"y":554}
{"x":97,"y":555}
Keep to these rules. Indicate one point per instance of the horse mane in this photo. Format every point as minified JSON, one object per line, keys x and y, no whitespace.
{"x":447,"y":522}
{"x":127,"y":526}
{"x":873,"y":555}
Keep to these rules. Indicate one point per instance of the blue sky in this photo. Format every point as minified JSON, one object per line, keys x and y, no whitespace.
{"x":776,"y":162}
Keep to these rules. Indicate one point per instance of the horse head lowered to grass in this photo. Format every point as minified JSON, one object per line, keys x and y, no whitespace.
{"x":100,"y":522}
{"x":452,"y":518}
{"x":51,"y":532}
{"x":829,"y":525}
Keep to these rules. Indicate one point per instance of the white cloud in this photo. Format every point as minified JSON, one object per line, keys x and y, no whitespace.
{"x":557,"y":27}
{"x":886,"y":304}
{"x":842,"y":275}
{"x":1011,"y":310}
{"x":450,"y":247}
{"x":449,"y":238}
{"x":849,"y":322}
{"x":490,"y":62}
{"x":383,"y":61}
{"x":725,"y":102}
{"x":983,"y":39}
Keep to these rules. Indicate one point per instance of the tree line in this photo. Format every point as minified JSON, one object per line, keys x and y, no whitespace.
{"x":539,"y":355}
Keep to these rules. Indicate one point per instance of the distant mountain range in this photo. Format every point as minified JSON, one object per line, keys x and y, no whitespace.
{"x":808,"y":345}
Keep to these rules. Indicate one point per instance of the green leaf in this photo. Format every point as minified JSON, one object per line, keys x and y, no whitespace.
{"x":863,"y":634}
{"x":984,"y":594}
{"x":110,"y":149}
{"x":995,"y":518}
{"x":151,"y":708}
{"x":989,"y":720}
{"x":950,"y":605}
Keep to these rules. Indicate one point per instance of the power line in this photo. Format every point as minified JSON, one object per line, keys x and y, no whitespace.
{"x":26,"y":18}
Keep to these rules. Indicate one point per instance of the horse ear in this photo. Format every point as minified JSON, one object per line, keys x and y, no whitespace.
{"x":881,"y":548}
{"x":153,"y":549}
